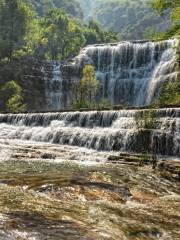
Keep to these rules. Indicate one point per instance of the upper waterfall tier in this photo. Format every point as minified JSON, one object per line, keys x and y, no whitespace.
{"x":130,"y":72}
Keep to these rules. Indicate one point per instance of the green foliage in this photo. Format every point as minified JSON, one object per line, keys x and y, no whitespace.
{"x":170,"y":94}
{"x":71,"y":7}
{"x":93,"y":104}
{"x":88,"y":84}
{"x":174,"y":7}
{"x":15,"y":17}
{"x":61,"y":37}
{"x":14,"y":104}
{"x":11,"y":97}
{"x":54,"y":36}
{"x":62,"y":34}
{"x":135,"y":19}
{"x":84,"y":93}
{"x":130,"y":18}
{"x":94,"y":33}
{"x":146,"y":119}
{"x":104,"y":103}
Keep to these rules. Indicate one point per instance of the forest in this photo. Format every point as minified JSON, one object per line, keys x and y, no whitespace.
{"x":41,"y":28}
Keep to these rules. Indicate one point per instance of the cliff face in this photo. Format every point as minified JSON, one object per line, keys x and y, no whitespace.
{"x":28,"y":74}
{"x":45,"y":84}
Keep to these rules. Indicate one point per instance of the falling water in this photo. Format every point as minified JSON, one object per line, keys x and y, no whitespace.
{"x":107,"y":130}
{"x":130,"y":73}
{"x":54,"y":88}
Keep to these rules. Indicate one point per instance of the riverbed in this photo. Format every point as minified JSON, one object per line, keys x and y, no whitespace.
{"x":54,"y":192}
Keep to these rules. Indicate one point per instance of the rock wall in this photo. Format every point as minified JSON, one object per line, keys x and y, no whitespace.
{"x":27,"y":72}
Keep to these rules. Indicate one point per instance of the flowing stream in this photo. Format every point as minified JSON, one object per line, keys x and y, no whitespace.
{"x":56,"y":181}
{"x":106,"y":130}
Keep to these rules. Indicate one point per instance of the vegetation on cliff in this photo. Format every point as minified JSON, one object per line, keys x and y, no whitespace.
{"x":170,"y":91}
{"x":161,"y":6}
{"x":26,"y":31}
{"x":63,"y":37}
{"x":55,"y":35}
{"x":84,"y":93}
{"x":11,"y":97}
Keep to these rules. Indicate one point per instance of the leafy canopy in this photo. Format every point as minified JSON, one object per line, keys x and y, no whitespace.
{"x":15,"y":17}
{"x":174,"y":7}
{"x":63,"y":35}
{"x":85,"y":91}
{"x":11,"y":97}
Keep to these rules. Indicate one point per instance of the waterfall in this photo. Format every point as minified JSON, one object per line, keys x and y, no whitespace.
{"x":54,"y":90}
{"x":129,"y":73}
{"x":106,"y":130}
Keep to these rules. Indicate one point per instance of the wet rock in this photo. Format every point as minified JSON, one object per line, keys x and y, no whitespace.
{"x":113,"y":158}
{"x":170,"y":166}
{"x":48,"y":156}
{"x":118,"y":107}
{"x":130,"y":159}
{"x":106,"y":186}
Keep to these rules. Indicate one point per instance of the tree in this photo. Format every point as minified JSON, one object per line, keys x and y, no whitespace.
{"x":94,"y":33}
{"x":161,"y":5}
{"x":88,"y":84}
{"x":15,"y":16}
{"x":11,"y":97}
{"x":71,"y":7}
{"x":174,"y":7}
{"x":86,"y":90}
{"x":63,"y":35}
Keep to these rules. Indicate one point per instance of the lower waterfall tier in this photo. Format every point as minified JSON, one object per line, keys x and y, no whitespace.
{"x":108,"y":130}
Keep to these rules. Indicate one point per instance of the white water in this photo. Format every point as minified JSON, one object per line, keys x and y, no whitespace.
{"x":54,"y":88}
{"x":131,"y":73}
{"x":107,"y":131}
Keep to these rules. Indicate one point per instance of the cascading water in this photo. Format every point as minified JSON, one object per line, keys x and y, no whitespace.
{"x":54,"y":91}
{"x":111,"y":130}
{"x":131,"y":72}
